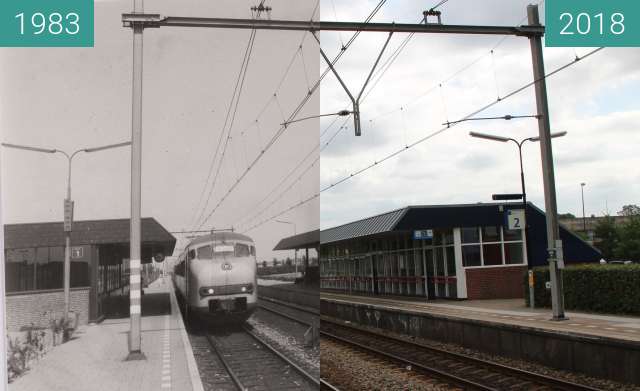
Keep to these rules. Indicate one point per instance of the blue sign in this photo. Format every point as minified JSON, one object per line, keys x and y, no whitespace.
{"x":423,"y":234}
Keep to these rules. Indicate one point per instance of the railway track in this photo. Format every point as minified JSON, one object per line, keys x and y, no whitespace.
{"x":457,"y":369}
{"x":303,"y":315}
{"x":326,"y":386}
{"x":252,"y":364}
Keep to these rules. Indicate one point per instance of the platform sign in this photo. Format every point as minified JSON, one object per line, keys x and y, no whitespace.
{"x":77,"y":252}
{"x":423,"y":234}
{"x":514,"y":219}
{"x":68,"y":215}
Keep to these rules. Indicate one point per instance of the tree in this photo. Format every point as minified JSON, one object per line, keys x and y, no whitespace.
{"x":264,"y":263}
{"x":275,"y":261}
{"x":605,"y":230}
{"x":566,"y":216}
{"x":628,"y":247}
{"x":630,"y":210}
{"x":289,"y":261}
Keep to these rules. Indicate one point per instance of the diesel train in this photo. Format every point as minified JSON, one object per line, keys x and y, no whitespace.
{"x":215,"y":277}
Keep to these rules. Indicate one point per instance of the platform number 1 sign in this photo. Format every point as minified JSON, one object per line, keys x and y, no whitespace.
{"x":515,"y":219}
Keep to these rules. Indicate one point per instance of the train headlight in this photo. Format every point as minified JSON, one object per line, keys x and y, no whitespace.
{"x":210,"y":291}
{"x":247,"y":288}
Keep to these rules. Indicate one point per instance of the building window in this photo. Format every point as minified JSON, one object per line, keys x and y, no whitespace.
{"x":491,"y":246}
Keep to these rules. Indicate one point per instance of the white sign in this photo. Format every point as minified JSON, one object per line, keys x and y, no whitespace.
{"x":77,"y":252}
{"x":68,"y":215}
{"x":515,"y":219}
{"x":423,"y":234}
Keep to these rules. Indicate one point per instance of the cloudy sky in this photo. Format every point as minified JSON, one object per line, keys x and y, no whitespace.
{"x":73,"y":98}
{"x":595,"y":101}
{"x":76,"y":98}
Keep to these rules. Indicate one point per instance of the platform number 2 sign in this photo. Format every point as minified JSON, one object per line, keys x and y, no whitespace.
{"x":515,"y":219}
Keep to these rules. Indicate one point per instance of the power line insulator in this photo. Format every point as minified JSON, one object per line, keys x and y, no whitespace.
{"x":432,"y":12}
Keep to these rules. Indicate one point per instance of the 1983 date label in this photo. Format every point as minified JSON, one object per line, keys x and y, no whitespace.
{"x":589,"y":23}
{"x":46,"y":23}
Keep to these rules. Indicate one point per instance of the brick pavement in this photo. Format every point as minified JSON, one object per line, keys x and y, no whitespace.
{"x":95,"y":358}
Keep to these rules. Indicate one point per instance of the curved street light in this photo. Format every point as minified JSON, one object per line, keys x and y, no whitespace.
{"x":68,"y":205}
{"x":524,"y":194}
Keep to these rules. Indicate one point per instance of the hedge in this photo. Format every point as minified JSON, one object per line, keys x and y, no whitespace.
{"x":612,"y":289}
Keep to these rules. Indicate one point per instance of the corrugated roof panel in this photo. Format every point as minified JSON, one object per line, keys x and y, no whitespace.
{"x":309,"y":239}
{"x":369,"y":226}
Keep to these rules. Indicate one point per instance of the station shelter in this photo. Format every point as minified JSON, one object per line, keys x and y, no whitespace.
{"x":470,"y":251}
{"x":34,"y":264}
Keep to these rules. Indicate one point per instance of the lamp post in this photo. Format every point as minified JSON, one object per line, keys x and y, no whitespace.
{"x":584,"y":220}
{"x":68,"y":207}
{"x":295,"y":254}
{"x":524,"y":193}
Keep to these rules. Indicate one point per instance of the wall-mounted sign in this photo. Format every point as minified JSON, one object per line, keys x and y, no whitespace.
{"x":77,"y":252}
{"x":423,"y":234}
{"x":515,"y":219}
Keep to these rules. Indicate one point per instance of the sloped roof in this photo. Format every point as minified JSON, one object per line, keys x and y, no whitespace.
{"x":370,"y":226}
{"x":309,"y":239}
{"x":220,"y":237}
{"x":85,"y":232}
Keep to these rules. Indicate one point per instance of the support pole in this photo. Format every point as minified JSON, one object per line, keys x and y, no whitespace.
{"x":135,"y":352}
{"x":553,"y":236}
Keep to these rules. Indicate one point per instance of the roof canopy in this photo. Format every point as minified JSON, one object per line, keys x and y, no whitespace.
{"x":309,"y":239}
{"x":86,"y":232}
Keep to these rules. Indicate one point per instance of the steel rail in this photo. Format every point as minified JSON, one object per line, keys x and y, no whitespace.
{"x":226,"y":365}
{"x":287,"y":316}
{"x":309,"y":377}
{"x":156,"y":20}
{"x":545,"y":379}
{"x":298,"y":307}
{"x":428,"y":370}
{"x":325,"y":385}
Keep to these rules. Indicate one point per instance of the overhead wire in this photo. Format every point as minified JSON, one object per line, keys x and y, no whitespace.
{"x":423,"y":139}
{"x":295,"y":112}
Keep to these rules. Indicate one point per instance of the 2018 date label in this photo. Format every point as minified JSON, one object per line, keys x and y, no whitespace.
{"x":590,"y":23}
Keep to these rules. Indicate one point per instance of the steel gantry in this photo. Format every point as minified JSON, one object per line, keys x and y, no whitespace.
{"x":534,"y":31}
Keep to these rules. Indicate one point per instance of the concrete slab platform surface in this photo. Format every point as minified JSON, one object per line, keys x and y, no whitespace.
{"x":511,"y":312}
{"x":95,"y":357}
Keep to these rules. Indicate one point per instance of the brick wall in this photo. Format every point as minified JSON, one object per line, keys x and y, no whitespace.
{"x":495,"y":282}
{"x":39,"y":307}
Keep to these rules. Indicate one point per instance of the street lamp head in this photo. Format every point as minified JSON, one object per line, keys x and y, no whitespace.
{"x":553,"y":135}
{"x":28,"y":148}
{"x":489,"y":137}
{"x":582,"y":184}
{"x":96,"y":149}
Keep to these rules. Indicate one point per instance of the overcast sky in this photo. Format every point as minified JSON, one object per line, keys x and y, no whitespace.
{"x":73,"y":98}
{"x":76,"y":98}
{"x":596,"y":102}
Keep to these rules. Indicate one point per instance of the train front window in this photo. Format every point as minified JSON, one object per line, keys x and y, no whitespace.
{"x":205,"y":252}
{"x":242,"y":250}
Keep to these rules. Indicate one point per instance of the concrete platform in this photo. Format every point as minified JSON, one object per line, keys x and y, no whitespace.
{"x":95,"y":358}
{"x":292,"y":293}
{"x":601,"y":346}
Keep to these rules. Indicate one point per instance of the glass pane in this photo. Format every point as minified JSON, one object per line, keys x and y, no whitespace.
{"x":242,"y":250}
{"x":448,"y":236}
{"x":470,"y":235}
{"x":451,"y":261}
{"x":205,"y":252}
{"x":513,"y":253}
{"x":490,"y":234}
{"x":471,"y":255}
{"x":492,"y":254}
{"x":512,"y":234}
